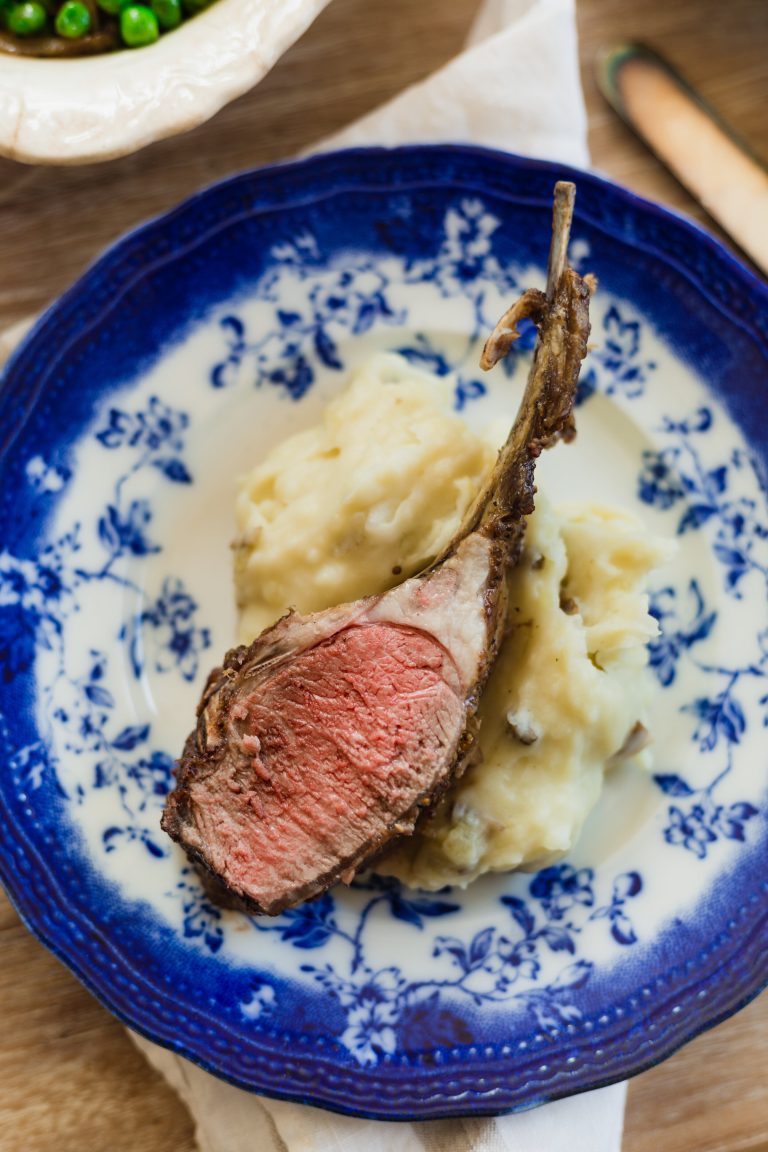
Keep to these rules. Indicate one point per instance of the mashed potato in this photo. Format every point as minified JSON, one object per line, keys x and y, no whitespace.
{"x":566,"y":692}
{"x":356,"y":504}
{"x":367,"y":498}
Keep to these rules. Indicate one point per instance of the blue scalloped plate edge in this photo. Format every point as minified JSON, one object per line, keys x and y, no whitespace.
{"x":731,"y":983}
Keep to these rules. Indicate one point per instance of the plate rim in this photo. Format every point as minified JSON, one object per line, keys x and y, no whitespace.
{"x":508,"y":1097}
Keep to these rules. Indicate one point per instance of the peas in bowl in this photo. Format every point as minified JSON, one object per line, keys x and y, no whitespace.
{"x":62,"y":28}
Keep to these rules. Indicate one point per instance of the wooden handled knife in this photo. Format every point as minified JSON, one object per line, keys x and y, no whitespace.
{"x":692,"y":141}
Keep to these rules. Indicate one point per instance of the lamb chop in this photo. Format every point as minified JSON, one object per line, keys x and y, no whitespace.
{"x":332,"y":733}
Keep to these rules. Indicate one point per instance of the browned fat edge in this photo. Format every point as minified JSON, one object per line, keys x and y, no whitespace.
{"x":561,"y":316}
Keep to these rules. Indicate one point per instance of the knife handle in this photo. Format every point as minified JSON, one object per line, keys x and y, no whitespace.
{"x":689,"y":137}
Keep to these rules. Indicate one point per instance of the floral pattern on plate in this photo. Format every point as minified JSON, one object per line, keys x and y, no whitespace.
{"x":114,"y":602}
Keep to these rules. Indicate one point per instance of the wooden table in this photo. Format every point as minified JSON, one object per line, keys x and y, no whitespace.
{"x":70,"y":1081}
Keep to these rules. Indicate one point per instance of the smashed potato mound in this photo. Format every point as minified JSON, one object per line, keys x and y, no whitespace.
{"x":370,"y":496}
{"x":568,"y":697}
{"x":356,"y":504}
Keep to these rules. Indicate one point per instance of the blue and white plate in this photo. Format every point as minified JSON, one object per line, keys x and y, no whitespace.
{"x":125,"y":419}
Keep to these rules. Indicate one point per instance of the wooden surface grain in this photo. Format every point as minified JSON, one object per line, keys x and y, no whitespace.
{"x":70,"y":1081}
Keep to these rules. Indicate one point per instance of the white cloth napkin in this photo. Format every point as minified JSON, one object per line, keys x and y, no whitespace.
{"x":515,"y":87}
{"x":230,"y":1120}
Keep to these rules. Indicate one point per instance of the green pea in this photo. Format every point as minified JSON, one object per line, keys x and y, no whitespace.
{"x":193,"y":6}
{"x":168,"y":13}
{"x":138,"y":26}
{"x":73,"y":20}
{"x":112,"y":7}
{"x":25,"y":19}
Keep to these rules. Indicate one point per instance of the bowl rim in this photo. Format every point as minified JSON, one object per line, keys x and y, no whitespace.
{"x":732,"y":980}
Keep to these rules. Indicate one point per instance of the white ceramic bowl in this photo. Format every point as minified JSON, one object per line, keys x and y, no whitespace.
{"x":79,"y":110}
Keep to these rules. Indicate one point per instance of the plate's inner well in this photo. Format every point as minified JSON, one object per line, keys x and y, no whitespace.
{"x":119,"y":609}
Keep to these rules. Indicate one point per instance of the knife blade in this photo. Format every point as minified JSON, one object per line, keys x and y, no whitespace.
{"x":691,"y":139}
